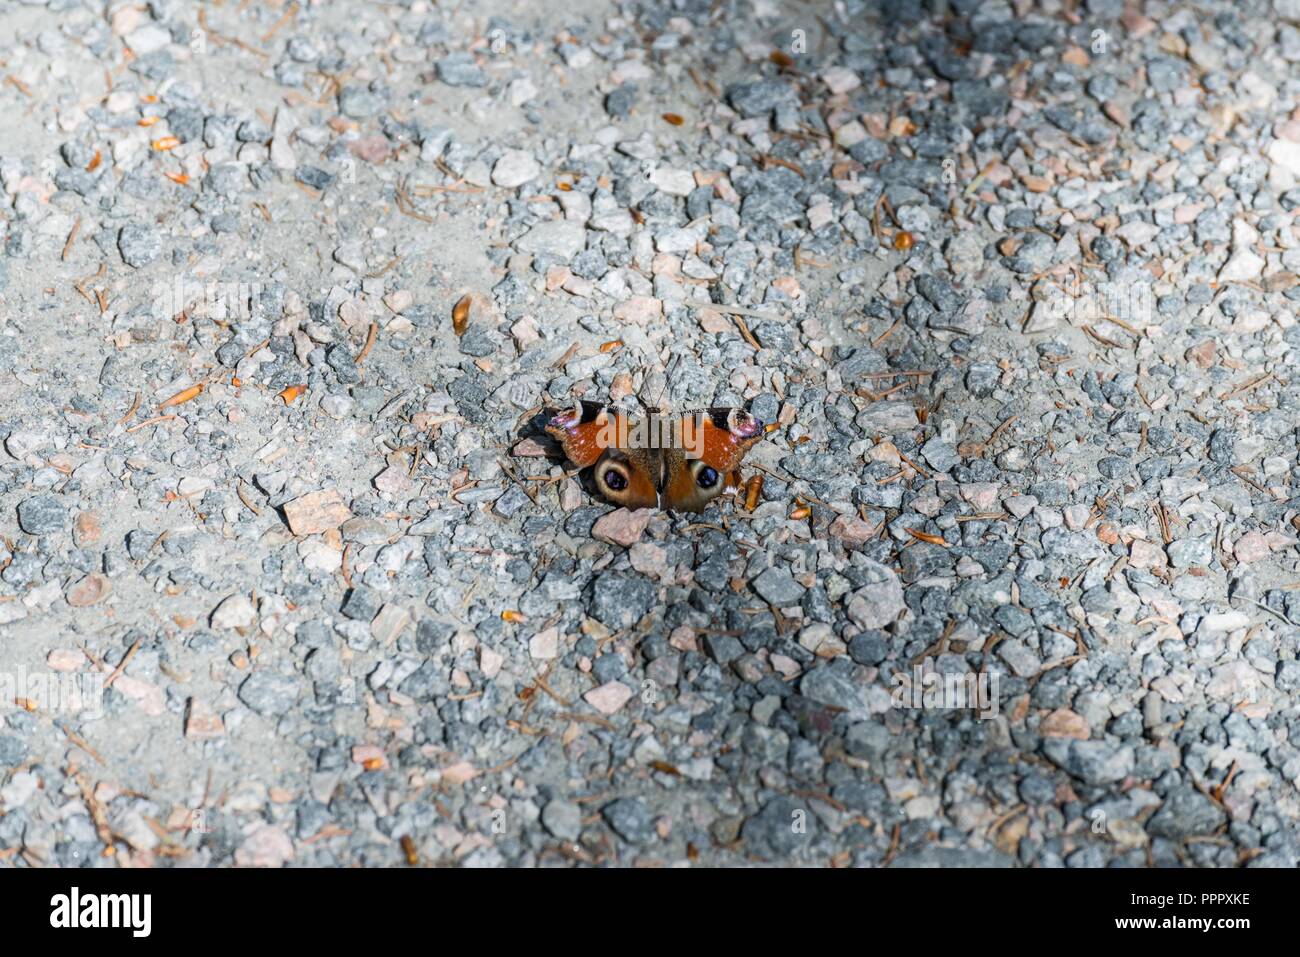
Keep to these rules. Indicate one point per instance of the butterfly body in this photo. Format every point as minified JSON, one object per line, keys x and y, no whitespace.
{"x":680,"y":462}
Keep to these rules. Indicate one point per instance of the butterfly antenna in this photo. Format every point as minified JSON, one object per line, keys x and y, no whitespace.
{"x":658,"y":403}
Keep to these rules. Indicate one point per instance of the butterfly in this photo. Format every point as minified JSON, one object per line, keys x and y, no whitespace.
{"x":680,"y":462}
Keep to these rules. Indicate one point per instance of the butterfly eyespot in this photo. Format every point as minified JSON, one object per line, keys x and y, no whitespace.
{"x":706,"y":477}
{"x":615,"y":480}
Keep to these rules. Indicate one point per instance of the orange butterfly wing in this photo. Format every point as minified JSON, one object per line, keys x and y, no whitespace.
{"x":591,"y":435}
{"x":713,"y":444}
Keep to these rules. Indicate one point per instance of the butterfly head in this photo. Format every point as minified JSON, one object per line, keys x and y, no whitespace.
{"x":743,"y":425}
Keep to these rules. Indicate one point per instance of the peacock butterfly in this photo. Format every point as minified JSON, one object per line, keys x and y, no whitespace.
{"x":680,"y":462}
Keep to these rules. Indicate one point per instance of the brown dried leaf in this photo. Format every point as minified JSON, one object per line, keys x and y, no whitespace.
{"x":185,"y":395}
{"x":460,"y":314}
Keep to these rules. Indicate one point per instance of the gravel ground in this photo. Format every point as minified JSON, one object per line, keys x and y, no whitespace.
{"x":291,"y":573}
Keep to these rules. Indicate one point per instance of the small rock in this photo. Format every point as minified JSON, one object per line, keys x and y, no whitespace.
{"x":853,"y":531}
{"x":86,"y":530}
{"x":1186,"y":813}
{"x":1251,"y":547}
{"x":880,"y":602}
{"x":266,"y":846}
{"x":316,"y":511}
{"x":941,"y":455}
{"x":622,"y":526}
{"x":830,"y":686}
{"x":639,"y":310}
{"x":1064,"y":723}
{"x":609,"y":697}
{"x":235,"y":611}
{"x":269,"y":692}
{"x":563,"y":819}
{"x":1095,"y":762}
{"x":202,"y":723}
{"x":620,"y":601}
{"x":778,"y":587}
{"x":559,"y":238}
{"x":629,"y":819}
{"x":460,"y":69}
{"x":1018,"y":657}
{"x":514,"y":168}
{"x":89,"y":591}
{"x":545,"y":645}
{"x":391,"y":621}
{"x":139,"y":245}
{"x":42,"y":515}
